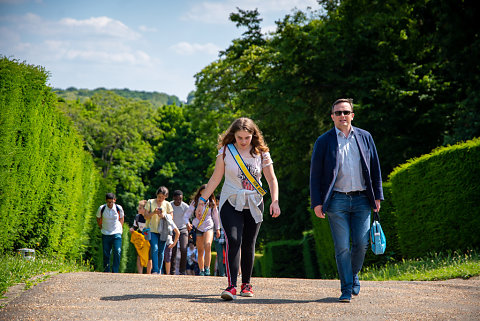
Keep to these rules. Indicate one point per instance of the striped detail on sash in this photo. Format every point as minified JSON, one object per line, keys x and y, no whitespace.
{"x":241,"y":164}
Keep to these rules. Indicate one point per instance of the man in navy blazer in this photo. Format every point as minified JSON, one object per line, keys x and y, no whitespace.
{"x":345,"y":184}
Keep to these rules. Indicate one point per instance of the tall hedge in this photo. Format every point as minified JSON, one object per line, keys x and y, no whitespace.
{"x":325,"y":251}
{"x":48,"y":183}
{"x":290,"y":258}
{"x":437,"y":200}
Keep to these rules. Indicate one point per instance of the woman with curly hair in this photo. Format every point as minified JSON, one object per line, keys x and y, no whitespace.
{"x":242,"y":157}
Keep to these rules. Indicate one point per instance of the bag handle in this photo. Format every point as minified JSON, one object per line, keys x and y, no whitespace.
{"x":376,"y":216}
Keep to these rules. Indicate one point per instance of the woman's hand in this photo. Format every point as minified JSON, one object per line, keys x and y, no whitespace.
{"x":275,"y":209}
{"x":217,"y":234}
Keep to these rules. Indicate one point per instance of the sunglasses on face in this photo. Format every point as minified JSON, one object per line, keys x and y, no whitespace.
{"x":339,"y":112}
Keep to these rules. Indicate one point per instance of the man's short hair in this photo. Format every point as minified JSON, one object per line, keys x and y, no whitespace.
{"x":110,"y":196}
{"x":177,"y":192}
{"x":343,"y":100}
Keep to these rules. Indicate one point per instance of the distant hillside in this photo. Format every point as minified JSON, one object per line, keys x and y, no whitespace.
{"x":156,"y":98}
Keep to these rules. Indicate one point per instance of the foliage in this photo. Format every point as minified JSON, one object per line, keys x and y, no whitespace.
{"x":116,"y":132}
{"x":436,"y":199}
{"x":432,"y":267}
{"x":289,"y":258}
{"x":397,"y":59}
{"x":47,"y":182}
{"x":181,"y":156}
{"x":14,"y":269}
{"x":325,"y":252}
{"x":82,"y":95}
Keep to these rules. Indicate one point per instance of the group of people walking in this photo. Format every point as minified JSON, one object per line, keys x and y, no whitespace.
{"x":345,"y":184}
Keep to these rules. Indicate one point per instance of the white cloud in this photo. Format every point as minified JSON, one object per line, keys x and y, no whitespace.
{"x":97,"y":40}
{"x":147,"y":29}
{"x":99,"y":26}
{"x":185,"y":48}
{"x":218,"y":12}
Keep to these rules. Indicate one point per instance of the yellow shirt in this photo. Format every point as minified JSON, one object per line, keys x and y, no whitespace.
{"x":155,"y":219}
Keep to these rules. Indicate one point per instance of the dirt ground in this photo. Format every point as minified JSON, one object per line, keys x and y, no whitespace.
{"x":102,"y":296}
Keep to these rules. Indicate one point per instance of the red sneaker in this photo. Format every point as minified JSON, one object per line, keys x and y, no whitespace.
{"x":246,"y":290}
{"x":229,"y":293}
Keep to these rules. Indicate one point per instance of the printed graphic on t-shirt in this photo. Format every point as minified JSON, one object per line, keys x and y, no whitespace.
{"x":245,"y":182}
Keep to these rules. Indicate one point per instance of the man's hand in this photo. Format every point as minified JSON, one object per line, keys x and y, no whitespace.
{"x":319,"y":211}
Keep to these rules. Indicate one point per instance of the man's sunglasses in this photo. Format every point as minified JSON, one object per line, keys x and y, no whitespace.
{"x":340,"y":112}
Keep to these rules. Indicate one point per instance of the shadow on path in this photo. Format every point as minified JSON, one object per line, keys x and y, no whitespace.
{"x":213,"y":299}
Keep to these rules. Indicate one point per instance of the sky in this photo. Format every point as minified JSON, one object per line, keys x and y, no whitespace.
{"x":156,"y":45}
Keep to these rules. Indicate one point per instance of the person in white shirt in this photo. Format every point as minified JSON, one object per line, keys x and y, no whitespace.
{"x":179,"y":209}
{"x":241,"y":201}
{"x":110,"y":218}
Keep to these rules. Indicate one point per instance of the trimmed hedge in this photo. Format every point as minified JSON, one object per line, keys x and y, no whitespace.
{"x":48,"y":183}
{"x":290,"y":258}
{"x":325,"y":252}
{"x":387,"y":219}
{"x":437,"y":200}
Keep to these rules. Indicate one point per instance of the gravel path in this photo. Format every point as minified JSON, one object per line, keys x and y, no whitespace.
{"x":99,"y":296}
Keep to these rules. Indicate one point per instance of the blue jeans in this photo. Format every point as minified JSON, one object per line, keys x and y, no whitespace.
{"x":349,"y":218}
{"x":157,"y":249}
{"x":111,"y":243}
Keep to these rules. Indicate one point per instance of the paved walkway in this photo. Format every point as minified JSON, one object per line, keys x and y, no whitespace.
{"x":99,"y":296}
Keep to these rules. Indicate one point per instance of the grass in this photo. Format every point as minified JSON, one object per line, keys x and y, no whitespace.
{"x":441,"y":266}
{"x":14,"y":269}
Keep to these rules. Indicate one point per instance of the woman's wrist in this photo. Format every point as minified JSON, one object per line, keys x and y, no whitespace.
{"x":201,"y":198}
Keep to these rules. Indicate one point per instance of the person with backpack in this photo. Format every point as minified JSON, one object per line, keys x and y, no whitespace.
{"x":242,"y":158}
{"x":110,"y":218}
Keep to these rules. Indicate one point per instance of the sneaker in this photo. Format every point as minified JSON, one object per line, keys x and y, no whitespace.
{"x":230,"y":293}
{"x":207,"y":271}
{"x":246,"y":290}
{"x":202,"y":273}
{"x":345,"y":298}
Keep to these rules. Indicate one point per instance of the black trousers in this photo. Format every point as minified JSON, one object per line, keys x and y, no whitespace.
{"x":241,"y":232}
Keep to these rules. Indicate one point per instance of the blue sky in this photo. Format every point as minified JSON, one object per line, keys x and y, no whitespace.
{"x":155,"y":45}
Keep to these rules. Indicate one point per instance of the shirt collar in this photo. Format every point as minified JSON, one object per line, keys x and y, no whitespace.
{"x":338,"y":131}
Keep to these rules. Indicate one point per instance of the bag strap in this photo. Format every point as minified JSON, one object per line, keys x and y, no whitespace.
{"x":376,"y":216}
{"x":241,"y":164}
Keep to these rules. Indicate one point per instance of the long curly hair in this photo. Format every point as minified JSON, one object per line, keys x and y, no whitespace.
{"x":228,"y":137}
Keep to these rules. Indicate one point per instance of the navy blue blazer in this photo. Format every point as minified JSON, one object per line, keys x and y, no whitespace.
{"x":324,"y":167}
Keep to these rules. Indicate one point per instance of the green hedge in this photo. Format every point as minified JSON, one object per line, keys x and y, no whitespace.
{"x":289,"y":259}
{"x":387,"y":219}
{"x":48,"y":183}
{"x":437,"y":200}
{"x":325,"y":252}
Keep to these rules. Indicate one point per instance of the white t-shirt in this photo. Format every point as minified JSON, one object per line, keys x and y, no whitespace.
{"x":178,"y":213}
{"x":236,"y":183}
{"x":110,"y":219}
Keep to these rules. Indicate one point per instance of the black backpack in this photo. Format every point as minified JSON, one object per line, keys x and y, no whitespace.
{"x":105,"y":205}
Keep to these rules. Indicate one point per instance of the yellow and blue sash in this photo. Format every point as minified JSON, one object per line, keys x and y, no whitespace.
{"x":204,"y":215}
{"x":241,"y":164}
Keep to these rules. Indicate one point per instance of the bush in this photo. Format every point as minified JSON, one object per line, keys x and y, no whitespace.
{"x":437,"y":200}
{"x":325,"y":252}
{"x":48,"y":182}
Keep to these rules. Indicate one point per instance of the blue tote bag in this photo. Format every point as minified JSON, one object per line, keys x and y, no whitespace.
{"x":377,"y":237}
